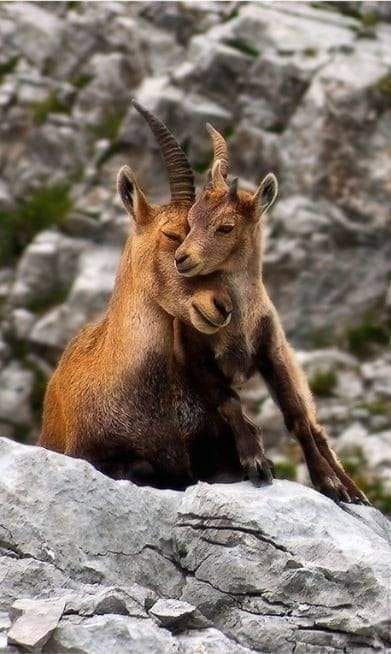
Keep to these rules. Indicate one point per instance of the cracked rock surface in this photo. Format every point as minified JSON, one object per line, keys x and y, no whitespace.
{"x":300,"y":89}
{"x":220,"y":568}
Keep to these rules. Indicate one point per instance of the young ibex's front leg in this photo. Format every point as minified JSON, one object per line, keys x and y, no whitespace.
{"x":289,"y":387}
{"x":248,"y":437}
{"x":248,"y":440}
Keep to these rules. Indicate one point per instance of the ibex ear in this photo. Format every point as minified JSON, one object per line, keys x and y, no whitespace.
{"x":217,"y":176}
{"x":132,"y":196}
{"x":266,"y":194}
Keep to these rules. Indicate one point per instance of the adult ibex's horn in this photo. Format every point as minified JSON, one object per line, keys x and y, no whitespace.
{"x":180,"y":174}
{"x":220,"y":149}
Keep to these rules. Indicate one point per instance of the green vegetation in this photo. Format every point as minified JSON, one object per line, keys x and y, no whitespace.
{"x":243,"y":47}
{"x":323,"y":382}
{"x":377,"y":407}
{"x":233,"y":14}
{"x":372,"y":487}
{"x":8,"y":67}
{"x":228,"y":132}
{"x":323,"y":337}
{"x":369,"y":19}
{"x":310,"y":52}
{"x":73,"y":5}
{"x":109,"y":126}
{"x":82,"y":80}
{"x":50,"y":105}
{"x":384,"y":84}
{"x":48,"y":300}
{"x":201,"y":166}
{"x":285,"y":470}
{"x":44,"y":208}
{"x":362,"y":338}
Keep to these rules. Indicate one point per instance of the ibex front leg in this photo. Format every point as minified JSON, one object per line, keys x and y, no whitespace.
{"x":248,"y":439}
{"x":289,"y":388}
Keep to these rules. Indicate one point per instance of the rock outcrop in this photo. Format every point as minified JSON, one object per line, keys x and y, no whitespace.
{"x":298,"y":89}
{"x":91,"y":565}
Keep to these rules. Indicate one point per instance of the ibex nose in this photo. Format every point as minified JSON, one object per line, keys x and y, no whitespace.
{"x":181,"y":258}
{"x":224,"y":309}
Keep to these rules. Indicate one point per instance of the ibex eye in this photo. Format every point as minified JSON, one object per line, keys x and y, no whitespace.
{"x":173,"y":237}
{"x":225,"y":229}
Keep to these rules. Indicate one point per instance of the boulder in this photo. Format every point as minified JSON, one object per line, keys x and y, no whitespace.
{"x":16,"y":385}
{"x":34,"y":622}
{"x":87,"y":298}
{"x":47,"y":267}
{"x":276,"y":569}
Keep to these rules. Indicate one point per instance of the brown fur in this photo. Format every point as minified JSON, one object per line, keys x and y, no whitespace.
{"x":226,"y":236}
{"x":121,"y":397}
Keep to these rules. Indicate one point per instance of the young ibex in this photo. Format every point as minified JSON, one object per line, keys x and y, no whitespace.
{"x":226,"y":236}
{"x":120,"y":397}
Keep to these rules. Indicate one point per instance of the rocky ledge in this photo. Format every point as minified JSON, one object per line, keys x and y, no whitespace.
{"x":91,"y":565}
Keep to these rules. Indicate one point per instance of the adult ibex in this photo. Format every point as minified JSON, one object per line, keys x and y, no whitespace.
{"x":120,"y":396}
{"x":226,"y":236}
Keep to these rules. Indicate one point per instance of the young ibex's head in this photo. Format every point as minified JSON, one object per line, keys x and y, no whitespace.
{"x":158,"y":232}
{"x":224,"y":220}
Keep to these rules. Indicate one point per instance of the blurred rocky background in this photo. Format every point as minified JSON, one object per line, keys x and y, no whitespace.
{"x":301,"y":89}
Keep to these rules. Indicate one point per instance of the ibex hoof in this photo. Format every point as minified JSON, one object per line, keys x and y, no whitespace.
{"x":259,"y":470}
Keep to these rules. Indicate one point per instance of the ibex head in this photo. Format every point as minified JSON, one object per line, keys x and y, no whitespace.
{"x":223,"y":221}
{"x":159,"y":230}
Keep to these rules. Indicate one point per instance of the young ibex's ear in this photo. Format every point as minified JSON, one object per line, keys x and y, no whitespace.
{"x":217,"y":175}
{"x":266,"y":194}
{"x":132,"y":196}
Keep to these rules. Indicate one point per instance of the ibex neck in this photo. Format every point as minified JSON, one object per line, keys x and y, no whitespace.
{"x":136,"y":324}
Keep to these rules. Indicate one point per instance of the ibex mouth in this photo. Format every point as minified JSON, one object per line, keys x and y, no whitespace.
{"x":188,"y":271}
{"x":208,"y":319}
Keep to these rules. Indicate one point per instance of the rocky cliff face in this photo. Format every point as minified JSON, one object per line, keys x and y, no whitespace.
{"x":298,"y":89}
{"x":90,"y":565}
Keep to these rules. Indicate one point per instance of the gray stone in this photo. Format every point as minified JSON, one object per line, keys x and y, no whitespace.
{"x":37,"y":31}
{"x":173,"y":614}
{"x":87,"y":298}
{"x":338,"y":247}
{"x":47,"y":267}
{"x":35,"y":621}
{"x":16,"y":384}
{"x":113,"y":75}
{"x":266,"y":569}
{"x":108,"y":633}
{"x":22,"y":322}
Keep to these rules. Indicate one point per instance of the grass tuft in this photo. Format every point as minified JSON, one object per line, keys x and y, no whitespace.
{"x":50,"y":105}
{"x":323,"y":382}
{"x":362,"y":338}
{"x":384,"y":84}
{"x":109,"y":126}
{"x":7,"y":67}
{"x":44,"y":208}
{"x":285,"y":470}
{"x":82,"y":80}
{"x":243,"y":47}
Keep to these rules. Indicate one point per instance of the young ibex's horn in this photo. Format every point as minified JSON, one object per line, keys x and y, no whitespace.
{"x":233,"y":189}
{"x":220,"y":149}
{"x":180,"y":174}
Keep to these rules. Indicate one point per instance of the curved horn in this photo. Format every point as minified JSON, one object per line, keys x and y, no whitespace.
{"x":220,"y":149}
{"x":180,"y":175}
